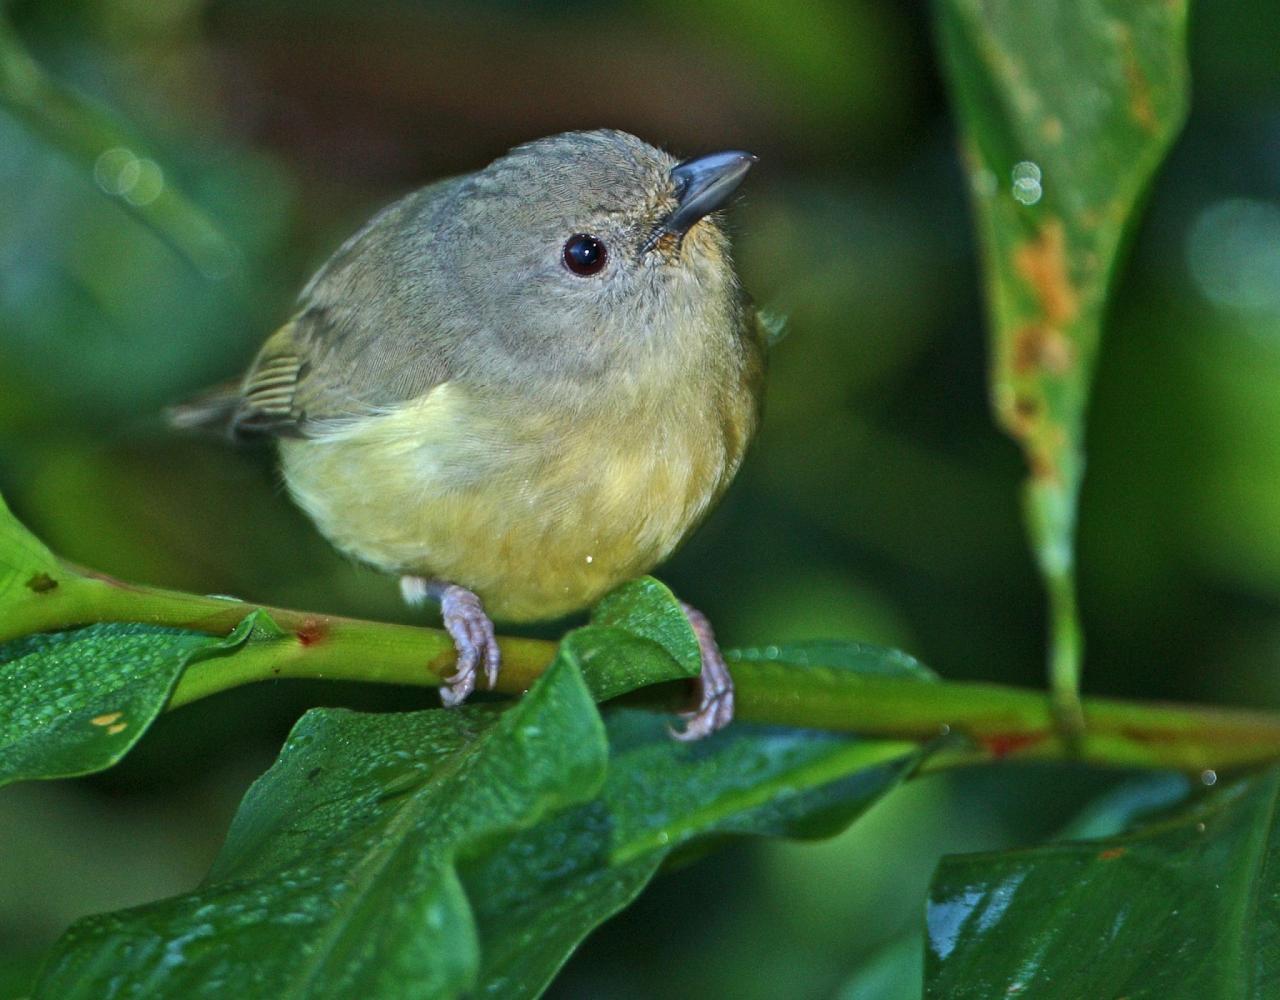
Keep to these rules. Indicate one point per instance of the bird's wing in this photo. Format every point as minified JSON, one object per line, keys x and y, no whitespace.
{"x":269,"y":400}
{"x":312,"y":374}
{"x":363,"y":340}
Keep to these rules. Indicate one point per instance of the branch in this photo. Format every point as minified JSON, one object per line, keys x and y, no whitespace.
{"x":1000,"y":722}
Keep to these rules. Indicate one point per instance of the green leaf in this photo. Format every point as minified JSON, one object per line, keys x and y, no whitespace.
{"x":638,"y":636}
{"x":75,"y":702}
{"x":1185,"y":906}
{"x":338,"y":877}
{"x":833,"y":676}
{"x":855,"y":657}
{"x":542,"y":893}
{"x":26,"y":566}
{"x":1138,"y":798}
{"x":1066,"y":108}
{"x":32,"y":580}
{"x":443,"y":852}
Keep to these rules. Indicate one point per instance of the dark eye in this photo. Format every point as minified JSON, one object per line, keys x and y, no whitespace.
{"x":584,"y":255}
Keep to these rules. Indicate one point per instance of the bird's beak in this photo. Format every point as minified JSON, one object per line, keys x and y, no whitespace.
{"x":702,"y":186}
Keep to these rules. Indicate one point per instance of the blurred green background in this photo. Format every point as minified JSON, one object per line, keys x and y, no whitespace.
{"x":879,"y":503}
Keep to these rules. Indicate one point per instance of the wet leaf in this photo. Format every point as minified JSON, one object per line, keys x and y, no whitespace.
{"x":638,"y":636}
{"x":447,"y":852}
{"x":863,"y":658}
{"x":539,"y":895}
{"x":338,"y":877}
{"x":1184,"y":906}
{"x":542,"y":893}
{"x":75,"y":702}
{"x":1066,"y":109}
{"x":341,"y":871}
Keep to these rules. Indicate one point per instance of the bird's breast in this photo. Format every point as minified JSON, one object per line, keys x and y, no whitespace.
{"x":538,"y":509}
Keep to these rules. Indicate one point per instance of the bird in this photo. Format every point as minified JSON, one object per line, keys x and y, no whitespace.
{"x":518,"y":388}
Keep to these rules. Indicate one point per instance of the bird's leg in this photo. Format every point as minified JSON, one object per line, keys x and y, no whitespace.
{"x":715,"y":686}
{"x":469,"y":627}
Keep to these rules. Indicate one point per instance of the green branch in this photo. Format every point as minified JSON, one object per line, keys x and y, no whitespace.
{"x":1000,"y":722}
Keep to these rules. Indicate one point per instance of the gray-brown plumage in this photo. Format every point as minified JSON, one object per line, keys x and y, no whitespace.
{"x":524,"y":385}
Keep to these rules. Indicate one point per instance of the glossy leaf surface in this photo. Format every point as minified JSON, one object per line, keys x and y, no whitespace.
{"x":1186,"y":906}
{"x":338,"y":877}
{"x":75,"y":702}
{"x":441,"y":852}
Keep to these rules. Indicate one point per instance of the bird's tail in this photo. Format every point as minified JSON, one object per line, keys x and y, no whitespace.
{"x":211,"y":411}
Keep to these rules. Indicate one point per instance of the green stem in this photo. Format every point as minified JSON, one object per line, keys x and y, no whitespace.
{"x":1065,"y":652}
{"x":1000,"y":722}
{"x":1050,"y":507}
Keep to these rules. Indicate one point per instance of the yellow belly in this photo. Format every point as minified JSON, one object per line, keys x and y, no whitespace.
{"x":539,"y":513}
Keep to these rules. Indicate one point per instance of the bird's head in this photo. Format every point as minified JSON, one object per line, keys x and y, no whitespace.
{"x":588,"y":251}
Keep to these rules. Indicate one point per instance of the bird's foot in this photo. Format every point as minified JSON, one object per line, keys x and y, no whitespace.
{"x":714,"y":685}
{"x":469,"y":627}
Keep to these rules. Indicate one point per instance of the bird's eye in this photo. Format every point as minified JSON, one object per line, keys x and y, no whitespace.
{"x":584,"y":255}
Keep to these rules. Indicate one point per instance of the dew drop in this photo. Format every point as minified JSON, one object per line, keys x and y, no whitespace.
{"x":396,"y":780}
{"x":1026,"y":183}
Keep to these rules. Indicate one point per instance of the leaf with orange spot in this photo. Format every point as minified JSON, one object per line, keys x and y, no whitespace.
{"x":1065,"y":111}
{"x":75,"y":702}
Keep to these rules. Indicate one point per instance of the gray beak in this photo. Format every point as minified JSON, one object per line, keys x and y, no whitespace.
{"x":702,"y":186}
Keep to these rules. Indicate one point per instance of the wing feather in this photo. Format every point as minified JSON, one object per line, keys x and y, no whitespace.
{"x":269,"y":394}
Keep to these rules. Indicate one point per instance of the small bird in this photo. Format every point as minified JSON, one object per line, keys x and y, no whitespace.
{"x":518,"y":388}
